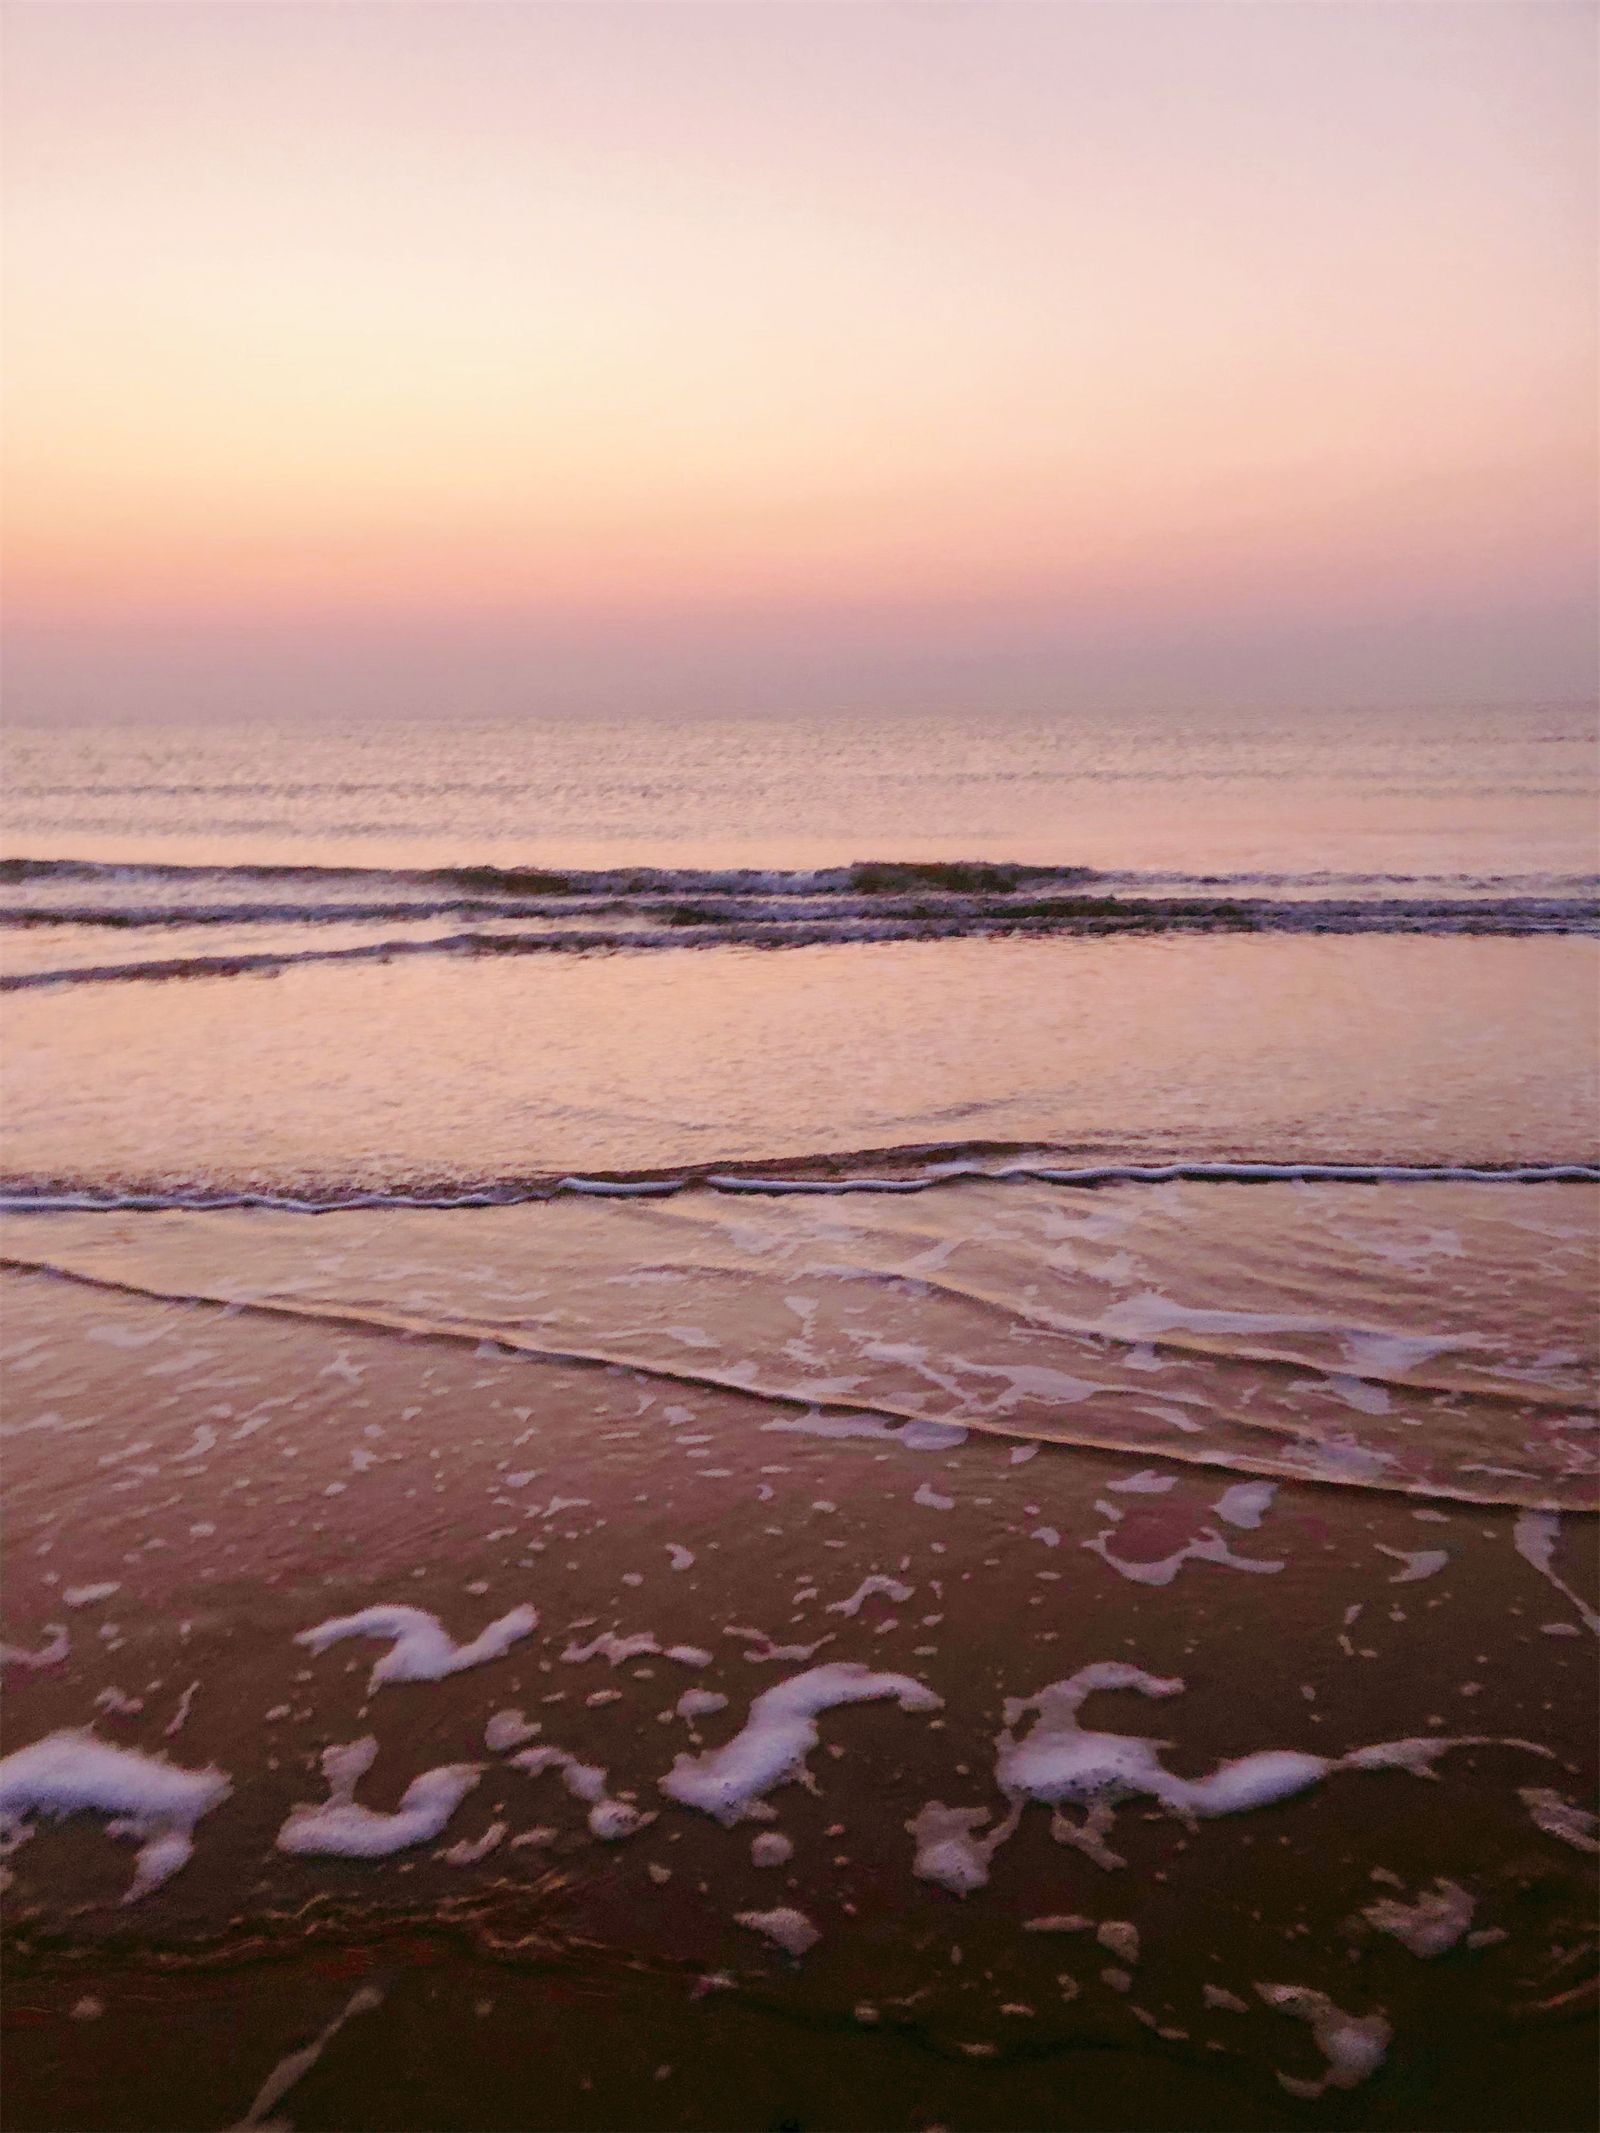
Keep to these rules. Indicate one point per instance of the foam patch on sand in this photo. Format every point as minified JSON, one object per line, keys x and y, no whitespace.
{"x":340,"y":1828}
{"x":1560,"y":1818}
{"x":616,"y":1650}
{"x":731,"y":1782}
{"x":761,"y":1650}
{"x":1208,"y":1546}
{"x":55,"y":1648}
{"x":1355,"y":2046}
{"x":1246,"y":1503}
{"x":420,"y":1647}
{"x":699,"y":1703}
{"x":891,"y":1588}
{"x":1146,"y":1482}
{"x":1431,"y":1925}
{"x":950,"y":1850}
{"x":1063,"y":1764}
{"x":297,"y":2065}
{"x":1535,"y":1535}
{"x":150,"y":1799}
{"x":910,"y":1436}
{"x":609,"y":1819}
{"x":470,"y":1850}
{"x":1415,"y":1563}
{"x":508,"y":1729}
{"x":785,"y":1927}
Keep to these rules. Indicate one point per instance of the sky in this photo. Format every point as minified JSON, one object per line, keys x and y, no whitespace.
{"x":483,"y":356}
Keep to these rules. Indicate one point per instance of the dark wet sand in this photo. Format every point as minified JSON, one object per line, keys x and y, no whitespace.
{"x":564,"y":1985}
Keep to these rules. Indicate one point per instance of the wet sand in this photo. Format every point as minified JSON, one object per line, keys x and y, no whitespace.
{"x":241,"y":1479}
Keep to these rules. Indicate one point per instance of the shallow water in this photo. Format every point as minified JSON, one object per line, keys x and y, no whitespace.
{"x":1431,"y":1337}
{"x":449,"y":1078}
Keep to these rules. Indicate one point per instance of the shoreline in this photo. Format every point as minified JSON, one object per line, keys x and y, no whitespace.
{"x":1264,"y":1896}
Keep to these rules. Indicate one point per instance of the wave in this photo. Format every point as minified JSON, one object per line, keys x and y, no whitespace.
{"x":863,"y":877}
{"x":1265,"y":1390}
{"x":884,"y":1170}
{"x":594,"y":910}
{"x":705,"y":926}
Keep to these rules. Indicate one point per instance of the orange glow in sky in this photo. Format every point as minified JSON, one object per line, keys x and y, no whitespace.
{"x":919,"y":318}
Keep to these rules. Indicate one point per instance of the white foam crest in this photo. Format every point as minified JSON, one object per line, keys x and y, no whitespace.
{"x":23,"y":1198}
{"x":420,"y":1648}
{"x":780,"y":1732}
{"x":151,"y":1799}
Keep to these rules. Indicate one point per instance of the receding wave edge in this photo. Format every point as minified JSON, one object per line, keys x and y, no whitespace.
{"x":891,"y":1170}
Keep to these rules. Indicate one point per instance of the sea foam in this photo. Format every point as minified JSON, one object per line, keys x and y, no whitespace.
{"x":150,"y":1799}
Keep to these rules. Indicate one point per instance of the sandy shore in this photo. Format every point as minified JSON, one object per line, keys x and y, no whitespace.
{"x":239,"y":1481}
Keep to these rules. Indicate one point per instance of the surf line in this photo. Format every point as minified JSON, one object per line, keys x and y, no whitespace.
{"x":23,"y":1199}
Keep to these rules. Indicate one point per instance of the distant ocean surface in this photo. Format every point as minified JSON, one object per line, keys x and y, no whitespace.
{"x":1427,"y":796}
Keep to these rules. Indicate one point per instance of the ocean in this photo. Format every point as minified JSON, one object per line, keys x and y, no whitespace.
{"x":656,"y":1232}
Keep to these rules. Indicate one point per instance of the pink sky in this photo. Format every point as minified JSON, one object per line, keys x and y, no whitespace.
{"x":430,"y":352}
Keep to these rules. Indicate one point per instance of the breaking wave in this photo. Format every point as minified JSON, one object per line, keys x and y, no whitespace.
{"x":884,"y":1170}
{"x":539,"y":911}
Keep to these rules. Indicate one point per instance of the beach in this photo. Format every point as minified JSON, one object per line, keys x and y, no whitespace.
{"x":688,"y":1481}
{"x":216,"y":1481}
{"x":717,"y":1487}
{"x":799,"y":1090}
